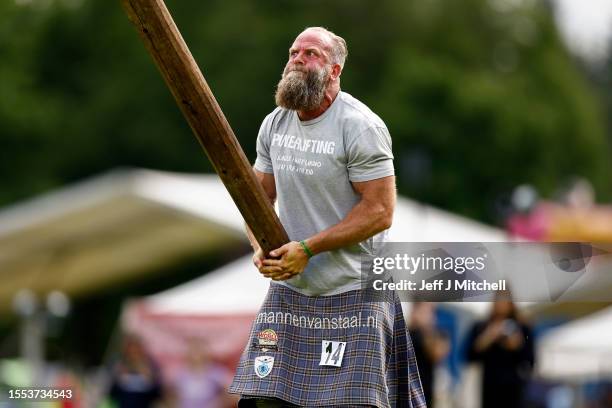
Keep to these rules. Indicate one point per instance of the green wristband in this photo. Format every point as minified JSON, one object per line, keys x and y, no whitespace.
{"x":306,"y":249}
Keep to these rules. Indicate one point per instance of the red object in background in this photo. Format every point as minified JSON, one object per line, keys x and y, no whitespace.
{"x":166,"y":336}
{"x":68,"y":381}
{"x":533,"y":226}
{"x":553,"y":222}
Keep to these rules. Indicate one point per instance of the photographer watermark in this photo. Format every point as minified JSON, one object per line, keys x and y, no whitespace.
{"x":458,"y":271}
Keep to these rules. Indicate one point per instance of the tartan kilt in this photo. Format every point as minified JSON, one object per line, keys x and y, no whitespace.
{"x":378,"y":368}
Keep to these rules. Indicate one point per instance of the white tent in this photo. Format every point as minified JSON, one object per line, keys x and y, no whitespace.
{"x":114,"y":228}
{"x":579,"y":349}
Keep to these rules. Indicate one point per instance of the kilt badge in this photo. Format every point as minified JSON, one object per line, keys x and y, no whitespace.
{"x":263,"y":365}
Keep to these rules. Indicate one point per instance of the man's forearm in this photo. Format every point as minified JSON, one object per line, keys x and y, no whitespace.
{"x":363,"y":221}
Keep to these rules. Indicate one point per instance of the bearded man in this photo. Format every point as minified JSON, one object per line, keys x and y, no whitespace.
{"x":326,"y":158}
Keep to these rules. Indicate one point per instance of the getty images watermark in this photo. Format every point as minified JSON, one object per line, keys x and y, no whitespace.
{"x":459,"y":271}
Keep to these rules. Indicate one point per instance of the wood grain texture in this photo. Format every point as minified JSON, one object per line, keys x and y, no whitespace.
{"x":191,"y":92}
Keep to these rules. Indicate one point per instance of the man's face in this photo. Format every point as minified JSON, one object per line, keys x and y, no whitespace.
{"x":309,"y":51}
{"x":307,"y":73}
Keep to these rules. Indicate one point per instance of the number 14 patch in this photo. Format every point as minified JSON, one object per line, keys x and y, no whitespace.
{"x":332,"y":353}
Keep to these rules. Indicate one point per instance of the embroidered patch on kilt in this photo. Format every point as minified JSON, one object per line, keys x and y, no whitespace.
{"x":263,"y":365}
{"x":266,"y":340}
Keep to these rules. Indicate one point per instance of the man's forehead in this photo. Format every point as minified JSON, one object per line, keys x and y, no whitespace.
{"x":312,"y":38}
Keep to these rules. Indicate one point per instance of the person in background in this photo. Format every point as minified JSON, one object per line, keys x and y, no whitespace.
{"x":430,"y":345}
{"x":202,"y":383}
{"x":135,"y":377}
{"x":503,"y":344}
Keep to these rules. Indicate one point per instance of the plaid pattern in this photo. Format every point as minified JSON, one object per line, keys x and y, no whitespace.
{"x":378,"y":368}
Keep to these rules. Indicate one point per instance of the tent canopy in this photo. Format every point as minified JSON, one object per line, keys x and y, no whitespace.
{"x":581,"y":348}
{"x":116,"y":227}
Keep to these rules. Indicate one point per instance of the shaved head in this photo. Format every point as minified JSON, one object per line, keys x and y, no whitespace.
{"x":336,"y":45}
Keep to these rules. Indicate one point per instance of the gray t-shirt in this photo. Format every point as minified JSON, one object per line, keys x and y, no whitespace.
{"x":314,"y":163}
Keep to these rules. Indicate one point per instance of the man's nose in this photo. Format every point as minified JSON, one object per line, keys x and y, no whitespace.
{"x":299,"y":58}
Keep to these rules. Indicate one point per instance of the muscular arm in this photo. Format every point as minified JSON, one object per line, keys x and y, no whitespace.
{"x":371,"y":215}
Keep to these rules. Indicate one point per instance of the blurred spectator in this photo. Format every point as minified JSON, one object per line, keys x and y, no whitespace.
{"x":202,"y":383}
{"x":430,"y":345}
{"x":607,"y":396}
{"x":503,"y":344}
{"x":602,"y":397}
{"x":135,"y":377}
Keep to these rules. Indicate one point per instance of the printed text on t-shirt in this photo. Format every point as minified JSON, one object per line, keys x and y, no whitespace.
{"x":285,"y":162}
{"x":303,"y":144}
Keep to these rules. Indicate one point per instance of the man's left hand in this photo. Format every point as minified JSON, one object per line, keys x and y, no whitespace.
{"x":292,"y":262}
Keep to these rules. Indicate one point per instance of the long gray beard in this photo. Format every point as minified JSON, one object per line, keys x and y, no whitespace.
{"x":296,"y":91}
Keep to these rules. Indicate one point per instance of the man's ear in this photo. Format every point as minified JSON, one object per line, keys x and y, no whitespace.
{"x":336,"y":71}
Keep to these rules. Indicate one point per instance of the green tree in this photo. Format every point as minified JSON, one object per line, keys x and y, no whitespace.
{"x":479,"y":96}
{"x":493,"y":100}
